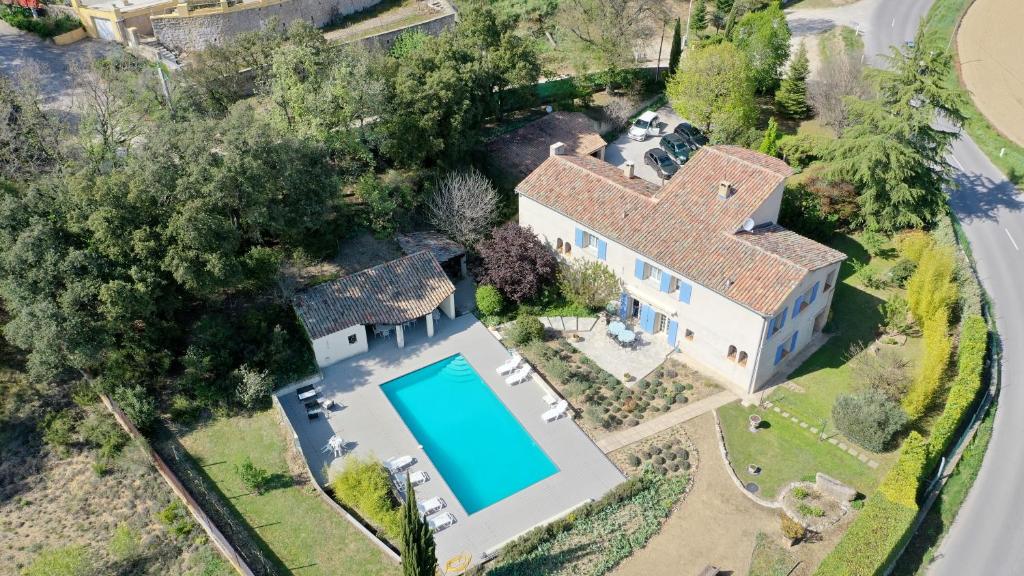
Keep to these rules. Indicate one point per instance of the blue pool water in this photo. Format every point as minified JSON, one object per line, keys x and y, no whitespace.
{"x":480,"y":449}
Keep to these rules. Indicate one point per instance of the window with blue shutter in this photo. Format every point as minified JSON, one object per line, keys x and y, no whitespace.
{"x":792,"y":343}
{"x":771,"y":327}
{"x":579,"y":238}
{"x":666,"y":281}
{"x":647,"y":317}
{"x":685,"y":291}
{"x":673,"y":332}
{"x":602,"y":249}
{"x":796,"y":306}
{"x":638,"y":271}
{"x":814,"y":292}
{"x":623,"y":302}
{"x":779,"y":352}
{"x":782,"y":319}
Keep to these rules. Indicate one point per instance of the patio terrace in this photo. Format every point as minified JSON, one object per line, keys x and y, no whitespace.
{"x":618,"y":360}
{"x":369,"y":424}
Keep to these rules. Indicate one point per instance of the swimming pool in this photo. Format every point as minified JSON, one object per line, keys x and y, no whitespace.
{"x":481,"y":450}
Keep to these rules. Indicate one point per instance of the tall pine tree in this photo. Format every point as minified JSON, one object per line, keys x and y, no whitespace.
{"x":418,"y":557}
{"x":677,"y":49}
{"x":699,"y":16}
{"x":791,"y":98}
{"x":722,"y":9}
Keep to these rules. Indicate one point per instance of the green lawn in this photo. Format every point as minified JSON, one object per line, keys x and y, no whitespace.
{"x":297,"y":527}
{"x":770,"y":558}
{"x":855,"y":318}
{"x":786,"y":453}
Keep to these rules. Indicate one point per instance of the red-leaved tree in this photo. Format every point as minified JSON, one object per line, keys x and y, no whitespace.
{"x":517,"y":263}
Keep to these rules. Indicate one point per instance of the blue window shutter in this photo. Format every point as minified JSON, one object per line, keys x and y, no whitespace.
{"x":648,"y":322}
{"x":602,"y":249}
{"x":579,"y":238}
{"x":623,"y":302}
{"x":639,"y":270}
{"x":673,"y":331}
{"x":796,"y":306}
{"x":666,"y":280}
{"x":814,"y":292}
{"x":792,"y":343}
{"x":771,"y":327}
{"x":685,"y":290}
{"x":778,"y":353}
{"x":782,"y":318}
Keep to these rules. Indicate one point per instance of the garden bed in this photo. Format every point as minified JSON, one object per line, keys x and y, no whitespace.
{"x":596,"y":538}
{"x":606,"y":403}
{"x":668,"y":452}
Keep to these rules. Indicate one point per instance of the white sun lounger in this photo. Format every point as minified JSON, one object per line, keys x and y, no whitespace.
{"x":518,"y":376}
{"x":556,"y":412}
{"x":428,"y":507}
{"x":418,"y":477}
{"x":510,"y":364}
{"x":399,"y":463}
{"x":550,"y":399}
{"x":441,"y":521}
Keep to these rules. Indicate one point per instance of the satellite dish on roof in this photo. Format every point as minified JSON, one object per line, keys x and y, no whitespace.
{"x":548,"y":109}
{"x":748,"y":224}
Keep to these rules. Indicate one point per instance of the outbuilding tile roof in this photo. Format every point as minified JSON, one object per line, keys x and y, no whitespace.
{"x":521,"y":151}
{"x":686,"y":226}
{"x":391,"y":293}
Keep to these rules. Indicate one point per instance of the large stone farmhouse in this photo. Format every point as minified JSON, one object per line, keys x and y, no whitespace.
{"x":702,"y":260}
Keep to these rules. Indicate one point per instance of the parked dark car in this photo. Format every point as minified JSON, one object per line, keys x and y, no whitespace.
{"x":691,"y":135}
{"x":663,"y":165}
{"x":676,"y":147}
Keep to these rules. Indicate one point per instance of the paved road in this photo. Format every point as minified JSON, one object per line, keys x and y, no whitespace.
{"x":987,"y":535}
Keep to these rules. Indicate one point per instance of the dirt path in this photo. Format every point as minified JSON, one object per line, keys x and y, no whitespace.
{"x":989,"y":48}
{"x":716,"y":524}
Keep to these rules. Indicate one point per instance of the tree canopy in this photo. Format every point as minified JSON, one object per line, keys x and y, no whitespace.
{"x":763,"y":35}
{"x":791,"y":98}
{"x":713,"y":89}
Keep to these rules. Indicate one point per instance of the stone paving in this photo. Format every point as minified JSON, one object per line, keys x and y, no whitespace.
{"x":618,"y":361}
{"x":852,"y":451}
{"x":637,"y":433}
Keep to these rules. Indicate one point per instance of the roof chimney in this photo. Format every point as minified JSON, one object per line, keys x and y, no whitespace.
{"x":725,"y":189}
{"x":628,"y":169}
{"x":557,"y":149}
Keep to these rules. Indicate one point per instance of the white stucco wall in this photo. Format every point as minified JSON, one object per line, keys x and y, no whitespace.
{"x":335,"y":347}
{"x":716,"y":321}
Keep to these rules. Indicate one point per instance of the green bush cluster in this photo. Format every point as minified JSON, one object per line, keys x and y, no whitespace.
{"x":878,"y":532}
{"x":526,"y":329}
{"x":45,"y":26}
{"x":903,"y":481}
{"x":964,"y":390}
{"x":938,"y":347}
{"x":869,"y":418}
{"x":364,"y":486}
{"x":488,"y":300}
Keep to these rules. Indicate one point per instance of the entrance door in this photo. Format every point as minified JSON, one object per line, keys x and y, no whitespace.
{"x":105,"y":29}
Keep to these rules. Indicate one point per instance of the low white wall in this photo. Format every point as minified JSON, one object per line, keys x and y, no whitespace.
{"x":336,"y":347}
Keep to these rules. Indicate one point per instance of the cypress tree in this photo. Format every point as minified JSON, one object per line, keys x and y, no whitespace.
{"x":722,"y":9}
{"x":791,"y":98}
{"x":699,"y":16}
{"x":677,"y":49}
{"x":417,"y":540}
{"x":730,"y":21}
{"x":770,"y":142}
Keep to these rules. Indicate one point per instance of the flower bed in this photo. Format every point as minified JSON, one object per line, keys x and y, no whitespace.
{"x":669,"y":452}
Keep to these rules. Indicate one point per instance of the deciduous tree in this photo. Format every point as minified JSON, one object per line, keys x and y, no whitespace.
{"x":463,"y":206}
{"x":517,"y":263}
{"x":713,"y":89}
{"x":764,"y":37}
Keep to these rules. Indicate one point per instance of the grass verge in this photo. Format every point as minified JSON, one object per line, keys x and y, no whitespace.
{"x":769,"y":558}
{"x":787,"y":453}
{"x":922,"y":546}
{"x":940,"y":26}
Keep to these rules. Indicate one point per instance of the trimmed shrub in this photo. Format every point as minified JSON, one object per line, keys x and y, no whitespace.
{"x":902,"y":482}
{"x":488,"y":300}
{"x":877,"y":533}
{"x":912,"y":245}
{"x":970,"y":368}
{"x":901,"y":272}
{"x":364,"y":485}
{"x":869,"y":418}
{"x":525,"y":330}
{"x":937,"y":349}
{"x":633,"y":460}
{"x":932,"y":288}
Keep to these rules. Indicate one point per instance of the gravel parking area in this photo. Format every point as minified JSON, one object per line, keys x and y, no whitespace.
{"x":623,"y":148}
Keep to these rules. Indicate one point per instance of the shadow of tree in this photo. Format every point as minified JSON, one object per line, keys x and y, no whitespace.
{"x":979,"y":197}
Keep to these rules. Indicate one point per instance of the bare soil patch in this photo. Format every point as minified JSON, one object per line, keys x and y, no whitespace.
{"x":991,"y":66}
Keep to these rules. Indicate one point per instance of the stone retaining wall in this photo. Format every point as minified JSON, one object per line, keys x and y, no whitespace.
{"x":433,"y":27}
{"x":201,"y":28}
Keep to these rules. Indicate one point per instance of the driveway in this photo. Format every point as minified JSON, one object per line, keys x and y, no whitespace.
{"x":21,"y":52}
{"x":623,"y":148}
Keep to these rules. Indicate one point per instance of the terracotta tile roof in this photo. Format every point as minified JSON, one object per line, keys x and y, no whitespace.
{"x":685,"y":226}
{"x":520,"y":152}
{"x":391,"y":293}
{"x":436,"y":243}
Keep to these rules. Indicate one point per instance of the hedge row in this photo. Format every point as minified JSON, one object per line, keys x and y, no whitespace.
{"x":970,"y":365}
{"x":932,"y":288}
{"x":872,"y":539}
{"x":938,"y":347}
{"x":903,"y":481}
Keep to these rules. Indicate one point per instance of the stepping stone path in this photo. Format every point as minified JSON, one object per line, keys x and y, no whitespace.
{"x":841,"y":445}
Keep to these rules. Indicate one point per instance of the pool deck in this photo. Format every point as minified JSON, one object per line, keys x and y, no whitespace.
{"x":370,"y":425}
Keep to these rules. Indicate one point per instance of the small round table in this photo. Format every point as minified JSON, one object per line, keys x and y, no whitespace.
{"x":626,"y":337}
{"x":615,"y":328}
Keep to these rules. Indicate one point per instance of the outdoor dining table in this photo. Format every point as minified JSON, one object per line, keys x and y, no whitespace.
{"x":616,"y":327}
{"x":626,"y":336}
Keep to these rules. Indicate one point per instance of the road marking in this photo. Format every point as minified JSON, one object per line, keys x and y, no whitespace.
{"x":893,"y":25}
{"x":1012,"y":241}
{"x":958,"y":164}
